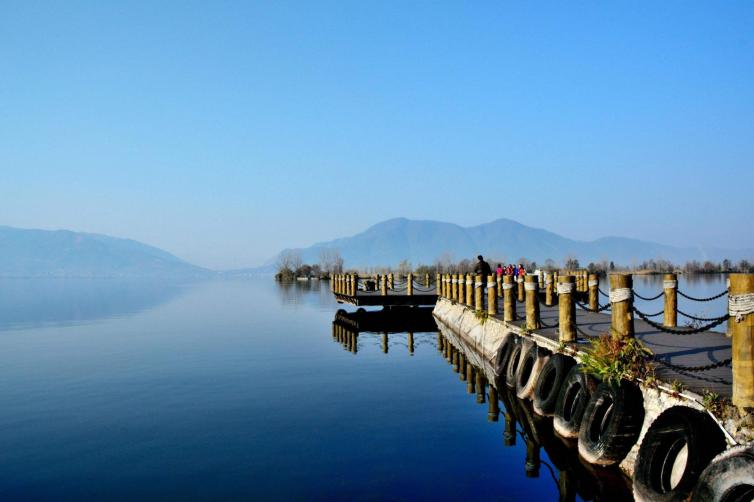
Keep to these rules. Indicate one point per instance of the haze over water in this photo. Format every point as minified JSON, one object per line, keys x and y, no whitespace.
{"x":235,"y":389}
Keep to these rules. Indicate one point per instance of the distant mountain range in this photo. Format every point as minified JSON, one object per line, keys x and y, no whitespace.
{"x":62,"y":253}
{"x":423,"y":242}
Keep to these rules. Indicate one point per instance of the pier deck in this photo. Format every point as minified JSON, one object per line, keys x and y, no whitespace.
{"x":699,"y":349}
{"x":392,"y":298}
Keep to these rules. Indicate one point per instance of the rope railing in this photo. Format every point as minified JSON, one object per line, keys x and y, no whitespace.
{"x":708,"y":299}
{"x":681,"y":331}
{"x":648,"y":299}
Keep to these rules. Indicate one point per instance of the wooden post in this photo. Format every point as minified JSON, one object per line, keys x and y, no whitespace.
{"x":567,"y":308}
{"x":521,"y":292}
{"x":594,"y":292}
{"x":509,"y":300}
{"x":461,"y":289}
{"x":742,"y":327}
{"x":478,"y":294}
{"x":549,"y":287}
{"x":621,"y":301}
{"x":391,"y":279}
{"x":438,"y":287}
{"x":532,"y":302}
{"x":446,"y":286}
{"x":443,"y":282}
{"x":670,"y":289}
{"x":426,"y":280}
{"x":410,"y":284}
{"x":355,"y":287}
{"x":469,"y":290}
{"x":383,"y":285}
{"x":491,"y":295}
{"x":454,"y":287}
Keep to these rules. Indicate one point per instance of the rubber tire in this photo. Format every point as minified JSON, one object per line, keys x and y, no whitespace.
{"x":611,"y":423}
{"x":574,"y":395}
{"x":668,"y":433}
{"x":512,"y":367}
{"x":729,"y":478}
{"x":504,"y":353}
{"x":550,"y":380}
{"x":529,"y":368}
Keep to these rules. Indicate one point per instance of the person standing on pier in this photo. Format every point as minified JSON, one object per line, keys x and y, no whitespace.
{"x":499,"y":270}
{"x":482,"y":267}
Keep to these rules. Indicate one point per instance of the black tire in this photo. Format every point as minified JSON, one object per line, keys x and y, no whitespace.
{"x":529,"y":369}
{"x":504,"y":353}
{"x":676,"y":448}
{"x":512,"y":368}
{"x":729,"y":478}
{"x":550,"y":380}
{"x":611,"y":423}
{"x":574,"y":395}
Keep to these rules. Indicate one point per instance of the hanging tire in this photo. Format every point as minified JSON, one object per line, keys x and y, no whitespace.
{"x":504,"y":353}
{"x":550,"y":380}
{"x":574,"y":395}
{"x":611,"y":423}
{"x":676,"y":448}
{"x":729,"y":478}
{"x":529,"y":369}
{"x":512,"y":368}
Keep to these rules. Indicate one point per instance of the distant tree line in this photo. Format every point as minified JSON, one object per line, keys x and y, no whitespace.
{"x":291,"y":267}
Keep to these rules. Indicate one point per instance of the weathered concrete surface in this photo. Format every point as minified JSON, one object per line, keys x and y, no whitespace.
{"x":481,"y":338}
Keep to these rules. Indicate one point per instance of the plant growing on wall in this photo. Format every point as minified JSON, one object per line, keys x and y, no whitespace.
{"x":612,"y":359}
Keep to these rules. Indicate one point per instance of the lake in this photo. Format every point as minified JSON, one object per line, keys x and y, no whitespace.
{"x":237,"y":389}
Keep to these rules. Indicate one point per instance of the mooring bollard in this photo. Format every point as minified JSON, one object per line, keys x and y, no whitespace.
{"x":442,"y":285}
{"x":383,"y":285}
{"x":509,"y":300}
{"x":355,"y":279}
{"x":391,"y":280}
{"x":478,"y":294}
{"x":437,"y":285}
{"x":622,"y":305}
{"x":426,"y":280}
{"x":555,"y":281}
{"x":521,"y":292}
{"x":454,"y":287}
{"x":594,"y":292}
{"x":499,"y":285}
{"x":741,"y":311}
{"x":410,"y":284}
{"x":567,"y":308}
{"x":491,"y":295}
{"x":670,"y":289}
{"x":493,"y":409}
{"x":469,"y":290}
{"x":531,"y":285}
{"x":548,"y":289}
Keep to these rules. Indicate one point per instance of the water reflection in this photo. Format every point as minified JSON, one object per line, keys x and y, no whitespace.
{"x":35,"y":302}
{"x":543,"y":454}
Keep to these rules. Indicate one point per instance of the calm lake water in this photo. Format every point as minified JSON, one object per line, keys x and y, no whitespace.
{"x":237,"y":389}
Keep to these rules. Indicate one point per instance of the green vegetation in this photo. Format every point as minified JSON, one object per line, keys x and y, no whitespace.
{"x":612,"y":359}
{"x":714,"y":403}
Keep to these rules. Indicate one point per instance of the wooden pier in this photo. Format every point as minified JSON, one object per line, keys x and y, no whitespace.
{"x":383,"y":290}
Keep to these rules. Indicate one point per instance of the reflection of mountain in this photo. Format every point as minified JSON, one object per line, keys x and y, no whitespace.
{"x":34,"y":302}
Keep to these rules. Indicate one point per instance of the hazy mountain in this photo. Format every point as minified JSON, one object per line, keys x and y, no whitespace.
{"x":391,"y":241}
{"x":62,"y":253}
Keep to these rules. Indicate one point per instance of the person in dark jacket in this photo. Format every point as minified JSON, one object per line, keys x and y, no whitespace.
{"x":482,"y":267}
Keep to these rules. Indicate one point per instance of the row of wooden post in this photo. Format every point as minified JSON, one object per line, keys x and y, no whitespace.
{"x":451,"y":286}
{"x":348,"y":284}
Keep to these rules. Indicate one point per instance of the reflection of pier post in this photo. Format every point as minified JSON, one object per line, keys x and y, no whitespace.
{"x":384,"y":343}
{"x":461,"y":366}
{"x":566,"y":486}
{"x":456,"y":360}
{"x":410,"y":343}
{"x":532,"y":459}
{"x":470,"y":382}
{"x":440,"y":347}
{"x":493,"y":409}
{"x":355,"y":343}
{"x":481,"y":385}
{"x":509,"y":433}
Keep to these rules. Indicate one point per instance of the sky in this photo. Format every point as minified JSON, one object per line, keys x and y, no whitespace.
{"x":226,"y":131}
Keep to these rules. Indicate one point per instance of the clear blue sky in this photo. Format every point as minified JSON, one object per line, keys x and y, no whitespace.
{"x":225,"y":131}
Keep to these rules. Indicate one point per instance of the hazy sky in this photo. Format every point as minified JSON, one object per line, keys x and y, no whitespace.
{"x":225,"y":131}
